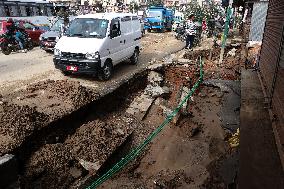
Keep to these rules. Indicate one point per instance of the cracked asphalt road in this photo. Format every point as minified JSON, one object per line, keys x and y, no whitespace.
{"x":20,"y":69}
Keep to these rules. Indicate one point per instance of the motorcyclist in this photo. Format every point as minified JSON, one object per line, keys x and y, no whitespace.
{"x":14,"y":31}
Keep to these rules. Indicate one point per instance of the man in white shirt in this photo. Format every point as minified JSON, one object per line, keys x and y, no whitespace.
{"x":190,"y":32}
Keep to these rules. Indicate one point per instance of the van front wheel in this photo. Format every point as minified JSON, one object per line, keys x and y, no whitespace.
{"x":134,"y":57}
{"x":106,"y":71}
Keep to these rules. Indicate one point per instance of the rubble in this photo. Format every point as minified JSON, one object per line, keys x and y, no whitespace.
{"x":155,"y":78}
{"x":217,"y":83}
{"x":232,"y":52}
{"x":89,"y":166}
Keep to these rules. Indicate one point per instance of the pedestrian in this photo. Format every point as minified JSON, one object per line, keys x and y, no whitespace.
{"x":190,"y":32}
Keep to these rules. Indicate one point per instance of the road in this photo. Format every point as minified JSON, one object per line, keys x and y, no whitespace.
{"x":20,"y":69}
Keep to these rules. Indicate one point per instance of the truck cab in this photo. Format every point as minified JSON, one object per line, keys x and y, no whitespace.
{"x":159,"y":18}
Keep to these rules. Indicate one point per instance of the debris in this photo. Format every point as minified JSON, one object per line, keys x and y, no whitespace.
{"x":232,"y":52}
{"x":185,"y":92}
{"x":90,"y":166}
{"x":185,"y":61}
{"x":75,"y":172}
{"x":120,"y":132}
{"x":194,"y":130}
{"x":216,"y":83}
{"x":155,"y":91}
{"x":140,"y":106}
{"x":234,"y":141}
{"x":155,"y":78}
{"x":166,"y":111}
{"x":155,"y":66}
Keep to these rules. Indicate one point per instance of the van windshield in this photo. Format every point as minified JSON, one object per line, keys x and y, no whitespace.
{"x":156,"y":14}
{"x":88,"y":28}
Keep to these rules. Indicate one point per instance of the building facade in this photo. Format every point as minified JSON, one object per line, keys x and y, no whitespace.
{"x":272,"y":68}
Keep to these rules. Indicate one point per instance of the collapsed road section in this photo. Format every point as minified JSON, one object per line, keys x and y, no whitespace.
{"x":58,"y":145}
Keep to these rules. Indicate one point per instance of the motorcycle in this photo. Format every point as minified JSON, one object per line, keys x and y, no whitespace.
{"x":180,"y":33}
{"x":9,"y":43}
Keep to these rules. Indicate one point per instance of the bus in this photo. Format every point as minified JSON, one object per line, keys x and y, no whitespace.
{"x":36,"y":11}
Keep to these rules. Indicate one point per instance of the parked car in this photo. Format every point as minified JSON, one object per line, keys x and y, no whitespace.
{"x":93,"y":44}
{"x":49,"y":39}
{"x":33,"y":31}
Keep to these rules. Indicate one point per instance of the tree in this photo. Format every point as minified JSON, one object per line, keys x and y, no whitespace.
{"x":134,"y":7}
{"x":154,"y":2}
{"x":209,"y":11}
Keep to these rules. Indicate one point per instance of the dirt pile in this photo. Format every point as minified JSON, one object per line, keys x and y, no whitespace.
{"x":55,"y":97}
{"x":60,"y":165}
{"x":28,"y":111}
{"x":17,"y":123}
{"x":229,"y":69}
{"x":181,"y":155}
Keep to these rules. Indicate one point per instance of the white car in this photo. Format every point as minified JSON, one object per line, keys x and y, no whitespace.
{"x":94,"y":43}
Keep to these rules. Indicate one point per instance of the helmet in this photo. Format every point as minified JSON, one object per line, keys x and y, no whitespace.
{"x":10,"y":20}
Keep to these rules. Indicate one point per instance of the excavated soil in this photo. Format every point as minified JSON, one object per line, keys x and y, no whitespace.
{"x":192,"y":152}
{"x":57,"y":149}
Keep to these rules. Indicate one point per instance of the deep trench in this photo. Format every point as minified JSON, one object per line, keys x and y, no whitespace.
{"x":59,"y":130}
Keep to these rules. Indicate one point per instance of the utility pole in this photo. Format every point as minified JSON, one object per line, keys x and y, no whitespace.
{"x":226,"y":31}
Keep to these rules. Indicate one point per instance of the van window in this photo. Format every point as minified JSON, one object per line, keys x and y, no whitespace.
{"x":88,"y":27}
{"x":115,"y":28}
{"x":126,"y":18}
{"x":135,"y":18}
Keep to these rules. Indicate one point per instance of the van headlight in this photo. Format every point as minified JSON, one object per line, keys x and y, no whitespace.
{"x":57,"y":52}
{"x":95,"y":55}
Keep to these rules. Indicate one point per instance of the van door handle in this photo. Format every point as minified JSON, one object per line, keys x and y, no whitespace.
{"x":124,"y":41}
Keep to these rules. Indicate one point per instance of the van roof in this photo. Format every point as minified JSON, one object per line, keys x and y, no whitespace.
{"x":108,"y":16}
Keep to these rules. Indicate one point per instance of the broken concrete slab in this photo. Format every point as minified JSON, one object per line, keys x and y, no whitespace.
{"x":155,"y":66}
{"x":140,"y":105}
{"x":185,"y":61}
{"x":155,"y":78}
{"x":155,"y":91}
{"x":217,"y":83}
{"x":90,"y":166}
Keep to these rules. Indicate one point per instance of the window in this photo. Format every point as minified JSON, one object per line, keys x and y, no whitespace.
{"x":135,"y":18}
{"x":115,"y":28}
{"x":57,"y":25}
{"x":126,"y":18}
{"x":28,"y":26}
{"x":88,"y":28}
{"x":155,"y":14}
{"x":28,"y":11}
{"x":7,"y":11}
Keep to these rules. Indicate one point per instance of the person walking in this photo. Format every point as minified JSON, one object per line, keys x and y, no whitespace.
{"x":190,"y":32}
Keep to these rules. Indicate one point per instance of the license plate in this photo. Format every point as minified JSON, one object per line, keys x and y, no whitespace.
{"x":72,"y":68}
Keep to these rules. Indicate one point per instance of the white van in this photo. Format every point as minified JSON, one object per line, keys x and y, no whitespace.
{"x":94,"y":43}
